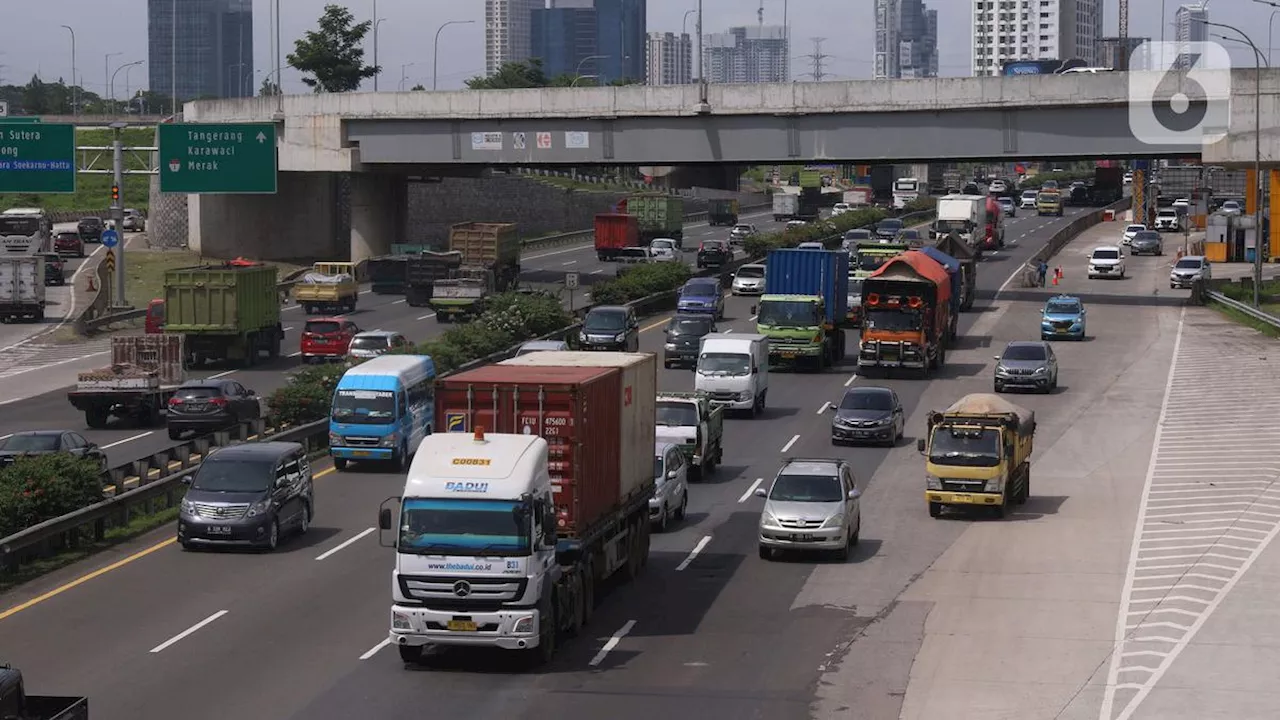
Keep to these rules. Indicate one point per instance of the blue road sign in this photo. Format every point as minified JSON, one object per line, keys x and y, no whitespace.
{"x":110,"y":238}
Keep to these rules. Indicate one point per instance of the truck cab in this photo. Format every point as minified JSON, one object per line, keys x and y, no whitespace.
{"x":977,"y":455}
{"x":1049,"y":202}
{"x":796,"y":328}
{"x":329,"y":287}
{"x":692,"y":423}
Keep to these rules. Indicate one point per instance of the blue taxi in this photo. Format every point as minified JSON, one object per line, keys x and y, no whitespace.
{"x":1063,"y":317}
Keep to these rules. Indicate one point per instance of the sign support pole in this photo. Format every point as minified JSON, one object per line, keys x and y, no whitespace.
{"x":117,"y":213}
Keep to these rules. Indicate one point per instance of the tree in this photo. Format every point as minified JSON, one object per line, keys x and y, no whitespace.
{"x":268,"y":88}
{"x":417,"y":87}
{"x":512,"y":75}
{"x":333,"y":54}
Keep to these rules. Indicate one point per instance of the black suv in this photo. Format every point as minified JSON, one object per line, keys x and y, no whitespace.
{"x":248,"y":494}
{"x":90,"y":229}
{"x":684,"y":338}
{"x":207,"y":405}
{"x":714,"y":253}
{"x":612,"y":328}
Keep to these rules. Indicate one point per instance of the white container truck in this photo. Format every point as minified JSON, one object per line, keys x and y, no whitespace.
{"x":785,"y":206}
{"x":22,"y":288}
{"x":963,"y":214}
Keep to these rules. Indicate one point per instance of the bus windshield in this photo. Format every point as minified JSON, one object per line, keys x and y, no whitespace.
{"x":364,"y":407}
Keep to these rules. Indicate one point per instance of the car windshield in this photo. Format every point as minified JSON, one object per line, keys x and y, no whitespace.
{"x":463,"y":527}
{"x":1061,"y":308}
{"x":676,"y":414}
{"x":857,"y":235}
{"x":1005,"y":201}
{"x":751,"y":272}
{"x":1147,"y":235}
{"x":68,"y":237}
{"x":1106,"y":255}
{"x":806,"y":488}
{"x":970,"y":448}
{"x":742,"y":228}
{"x":605,"y":321}
{"x":322,"y":327}
{"x":889,"y":226}
{"x":1168,"y":213}
{"x":724,"y":364}
{"x":1135,"y":228}
{"x":699,"y":290}
{"x":364,"y":407}
{"x":892,"y":320}
{"x":1029,"y":193}
{"x":788,"y":313}
{"x":662,"y":245}
{"x":30,"y":443}
{"x":234,"y":476}
{"x":370,"y":342}
{"x":689,"y":326}
{"x":1024,"y":352}
{"x":1188,"y":264}
{"x":866,"y":400}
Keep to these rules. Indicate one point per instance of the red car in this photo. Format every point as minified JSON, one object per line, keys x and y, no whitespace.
{"x":325,"y":339}
{"x":154,"y":323}
{"x":68,"y":244}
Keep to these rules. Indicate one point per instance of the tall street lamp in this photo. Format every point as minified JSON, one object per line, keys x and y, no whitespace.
{"x":580,"y":77}
{"x":435,"y":49}
{"x":403,"y":76}
{"x":75,"y":110}
{"x":128,"y":69}
{"x":106,"y":72}
{"x":378,"y":70}
{"x":585,"y":60}
{"x":111,"y":85}
{"x":1257,"y":159}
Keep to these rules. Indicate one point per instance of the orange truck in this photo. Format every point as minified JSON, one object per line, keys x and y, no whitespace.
{"x":616,"y":232}
{"x":906,"y":316}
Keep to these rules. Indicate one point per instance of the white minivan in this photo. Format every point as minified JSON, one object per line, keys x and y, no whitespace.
{"x":734,"y":371}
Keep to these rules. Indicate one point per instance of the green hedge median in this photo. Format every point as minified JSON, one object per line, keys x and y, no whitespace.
{"x":641,"y":281}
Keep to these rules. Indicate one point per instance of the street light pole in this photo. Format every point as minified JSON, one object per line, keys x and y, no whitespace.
{"x":435,"y":49}
{"x":1257,"y":160}
{"x":700,"y":80}
{"x":112,"y":83}
{"x":173,"y":61}
{"x":106,"y":72}
{"x":376,"y":23}
{"x":128,"y":69}
{"x":75,"y":110}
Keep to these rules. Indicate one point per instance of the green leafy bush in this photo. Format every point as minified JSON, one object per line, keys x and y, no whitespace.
{"x":919,"y":205}
{"x":39,"y":488}
{"x":641,"y":281}
{"x":307,"y":395}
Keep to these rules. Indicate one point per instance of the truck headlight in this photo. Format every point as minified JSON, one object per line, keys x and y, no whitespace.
{"x":993,"y":485}
{"x":524,"y":626}
{"x":400,"y":621}
{"x":932,"y":482}
{"x":389,"y":440}
{"x":744,"y":395}
{"x":334,"y":439}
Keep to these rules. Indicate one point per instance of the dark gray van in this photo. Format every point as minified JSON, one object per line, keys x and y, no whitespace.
{"x":248,"y":495}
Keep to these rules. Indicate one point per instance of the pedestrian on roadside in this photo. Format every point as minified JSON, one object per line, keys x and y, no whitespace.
{"x":1041,"y":271}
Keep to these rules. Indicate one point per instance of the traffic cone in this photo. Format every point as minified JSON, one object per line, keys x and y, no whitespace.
{"x":1055,"y":280}
{"x":1058,"y":273}
{"x":93,"y":286}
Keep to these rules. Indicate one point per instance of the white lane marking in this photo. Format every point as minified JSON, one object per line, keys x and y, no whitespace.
{"x":350,"y":541}
{"x":612,"y":643}
{"x":851,"y":380}
{"x":596,"y":272}
{"x":139,"y":436}
{"x":291,"y":307}
{"x":752,"y":318}
{"x":751,"y":490}
{"x":366,"y":292}
{"x":52,"y":364}
{"x":428,"y":316}
{"x":288,"y":328}
{"x":571,"y":262}
{"x":295,"y":354}
{"x":790,"y":442}
{"x":706,"y":539}
{"x":221,"y":375}
{"x":374,"y":650}
{"x":822,"y":409}
{"x":726,"y":332}
{"x":397,"y":302}
{"x":188,"y":631}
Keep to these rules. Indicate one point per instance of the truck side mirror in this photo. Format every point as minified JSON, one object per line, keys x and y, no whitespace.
{"x":384,"y":519}
{"x":919,"y":444}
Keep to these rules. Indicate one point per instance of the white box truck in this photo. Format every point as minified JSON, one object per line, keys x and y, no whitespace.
{"x":22,"y":288}
{"x":733,"y":370}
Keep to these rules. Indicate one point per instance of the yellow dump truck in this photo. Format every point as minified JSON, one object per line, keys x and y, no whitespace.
{"x":978,"y":454}
{"x":329,"y":287}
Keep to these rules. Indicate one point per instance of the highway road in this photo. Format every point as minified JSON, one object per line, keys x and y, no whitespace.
{"x":711,"y":628}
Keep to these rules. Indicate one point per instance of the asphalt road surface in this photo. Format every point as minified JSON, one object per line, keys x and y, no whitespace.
{"x":711,"y":632}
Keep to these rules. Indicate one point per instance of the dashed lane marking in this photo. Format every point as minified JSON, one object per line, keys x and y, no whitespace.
{"x":1203,"y":519}
{"x":22,"y":359}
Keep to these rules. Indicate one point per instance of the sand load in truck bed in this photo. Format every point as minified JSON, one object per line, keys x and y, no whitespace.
{"x":988,"y":404}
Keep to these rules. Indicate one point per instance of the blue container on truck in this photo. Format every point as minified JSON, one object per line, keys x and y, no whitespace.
{"x":953,"y":268}
{"x":823,"y":273}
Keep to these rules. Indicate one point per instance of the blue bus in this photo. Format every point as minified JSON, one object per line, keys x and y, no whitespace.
{"x":382,"y":409}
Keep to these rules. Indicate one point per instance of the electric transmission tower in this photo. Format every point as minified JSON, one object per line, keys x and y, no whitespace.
{"x":816,"y":59}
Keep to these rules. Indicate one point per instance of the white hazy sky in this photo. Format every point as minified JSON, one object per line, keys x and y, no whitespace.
{"x":31,"y":42}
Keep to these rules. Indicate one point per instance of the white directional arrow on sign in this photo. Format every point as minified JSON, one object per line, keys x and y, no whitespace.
{"x":261,"y":138}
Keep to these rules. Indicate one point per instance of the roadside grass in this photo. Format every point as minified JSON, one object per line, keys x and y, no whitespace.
{"x":93,"y":192}
{"x":1241,"y":319}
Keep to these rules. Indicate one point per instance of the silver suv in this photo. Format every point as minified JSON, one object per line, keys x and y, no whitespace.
{"x":1028,"y":364}
{"x":1187,"y":270}
{"x":813,"y":505}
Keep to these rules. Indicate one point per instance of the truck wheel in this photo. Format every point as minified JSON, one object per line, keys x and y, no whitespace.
{"x":96,"y":418}
{"x":340,"y":464}
{"x":410,"y":653}
{"x":548,"y":625}
{"x":935,"y":509}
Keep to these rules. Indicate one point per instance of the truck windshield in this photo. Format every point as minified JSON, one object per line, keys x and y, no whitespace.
{"x":968,"y":448}
{"x":463,"y":527}
{"x":677,"y":414}
{"x":892,"y":320}
{"x":870,"y":262}
{"x":789,"y":314}
{"x":364,"y":407}
{"x":806,"y":488}
{"x":724,"y":364}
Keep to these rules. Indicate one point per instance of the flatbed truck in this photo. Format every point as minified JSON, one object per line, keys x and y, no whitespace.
{"x":145,"y":371}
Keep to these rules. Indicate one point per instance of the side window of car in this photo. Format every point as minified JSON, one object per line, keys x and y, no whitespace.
{"x":304,"y":466}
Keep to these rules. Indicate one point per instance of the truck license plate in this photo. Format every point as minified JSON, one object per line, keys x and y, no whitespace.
{"x":461,"y":626}
{"x":788,"y":354}
{"x":360,"y":453}
{"x":219,"y":529}
{"x":960,"y":499}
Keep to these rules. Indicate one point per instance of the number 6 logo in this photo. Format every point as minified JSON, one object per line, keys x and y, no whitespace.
{"x":1183,"y":97}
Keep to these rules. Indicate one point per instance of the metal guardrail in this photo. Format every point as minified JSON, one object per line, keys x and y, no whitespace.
{"x":1248,"y":310}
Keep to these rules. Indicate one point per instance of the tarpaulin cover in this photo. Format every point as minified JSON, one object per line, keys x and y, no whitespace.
{"x":915,"y":265}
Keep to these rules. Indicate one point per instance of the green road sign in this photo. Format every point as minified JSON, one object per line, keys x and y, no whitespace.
{"x":209,"y":159}
{"x":37,"y":158}
{"x":20,"y":119}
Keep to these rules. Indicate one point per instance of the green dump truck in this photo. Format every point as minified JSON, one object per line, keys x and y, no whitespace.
{"x":659,"y":216}
{"x":689,"y":421}
{"x":229,"y":313}
{"x":489,"y":262}
{"x":722,"y":211}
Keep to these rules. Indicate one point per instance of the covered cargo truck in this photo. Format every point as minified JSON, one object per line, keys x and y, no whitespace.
{"x":145,"y":371}
{"x":952,"y":245}
{"x":536,"y":492}
{"x":387,"y":273}
{"x":905,"y":316}
{"x":22,"y":288}
{"x":786,"y":206}
{"x":1107,"y":187}
{"x":956,"y":272}
{"x":424,"y":270}
{"x":960,"y":214}
{"x":722,"y":211}
{"x":810,"y":208}
{"x":495,"y":247}
{"x":690,"y":421}
{"x":615,"y":232}
{"x":978,"y":455}
{"x":16,"y":704}
{"x":330,"y":287}
{"x":804,"y":307}
{"x":659,"y":215}
{"x":228,"y":313}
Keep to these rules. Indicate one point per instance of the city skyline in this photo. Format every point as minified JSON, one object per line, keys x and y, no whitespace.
{"x":38,"y":46}
{"x":906,"y":39}
{"x":1035,"y":30}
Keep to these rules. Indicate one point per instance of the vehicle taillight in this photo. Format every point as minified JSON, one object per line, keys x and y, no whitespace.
{"x":175,"y":401}
{"x":220,"y":402}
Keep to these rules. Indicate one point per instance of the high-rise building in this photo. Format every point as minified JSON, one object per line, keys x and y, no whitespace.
{"x":1189,"y":27}
{"x":508,"y":32}
{"x":1122,"y":53}
{"x":621,"y":35}
{"x":214,"y":43}
{"x":669,"y":59}
{"x":1035,"y":30}
{"x":906,"y":39}
{"x":601,"y":38}
{"x":751,"y":54}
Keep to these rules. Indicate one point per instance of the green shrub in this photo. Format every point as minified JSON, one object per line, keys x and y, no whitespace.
{"x":307,"y":396}
{"x":640,"y":282}
{"x":827,"y":231}
{"x":526,"y":315}
{"x":923,"y":204}
{"x":39,"y":488}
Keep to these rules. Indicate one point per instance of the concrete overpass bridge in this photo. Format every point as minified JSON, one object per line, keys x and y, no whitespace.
{"x":384,"y":139}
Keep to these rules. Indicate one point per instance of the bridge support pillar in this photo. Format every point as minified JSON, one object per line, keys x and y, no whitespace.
{"x":298,"y":222}
{"x":378,"y":203}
